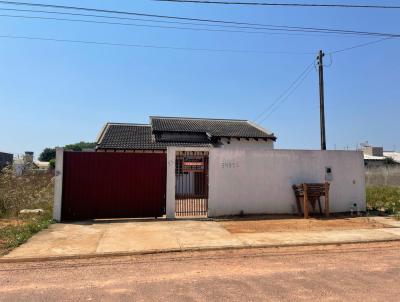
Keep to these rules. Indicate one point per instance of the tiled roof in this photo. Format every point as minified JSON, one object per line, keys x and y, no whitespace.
{"x":136,"y":137}
{"x":213,"y":127}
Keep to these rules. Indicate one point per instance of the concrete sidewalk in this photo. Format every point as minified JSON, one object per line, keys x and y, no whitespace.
{"x":87,"y":238}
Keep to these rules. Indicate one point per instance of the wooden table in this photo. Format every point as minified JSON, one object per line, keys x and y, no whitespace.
{"x":312,"y":192}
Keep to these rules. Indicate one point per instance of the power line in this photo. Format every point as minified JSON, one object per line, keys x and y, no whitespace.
{"x":188,"y":28}
{"x":142,"y":25}
{"x":151,"y":46}
{"x":257,"y":26}
{"x":189,"y":48}
{"x":360,"y":45}
{"x":132,"y":19}
{"x":313,"y":5}
{"x":287,"y":96}
{"x":161,"y":26}
{"x":303,"y":75}
{"x":285,"y":92}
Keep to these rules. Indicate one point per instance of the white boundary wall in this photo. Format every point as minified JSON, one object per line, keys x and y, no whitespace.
{"x":260,"y":181}
{"x":58,"y":184}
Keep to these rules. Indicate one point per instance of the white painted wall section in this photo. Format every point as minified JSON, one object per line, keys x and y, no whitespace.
{"x":170,"y":198}
{"x":58,"y":184}
{"x":260,"y":181}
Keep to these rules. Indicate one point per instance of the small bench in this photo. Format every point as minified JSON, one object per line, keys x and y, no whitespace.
{"x":311,"y":192}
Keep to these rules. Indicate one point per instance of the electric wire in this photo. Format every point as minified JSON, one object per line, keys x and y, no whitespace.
{"x":254,"y":25}
{"x":176,"y":27}
{"x":359,"y":45}
{"x":300,"y":79}
{"x":153,"y":46}
{"x":287,"y":96}
{"x":284,"y":94}
{"x":313,"y":5}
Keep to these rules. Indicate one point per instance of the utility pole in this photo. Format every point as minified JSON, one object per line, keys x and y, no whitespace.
{"x":321,"y":99}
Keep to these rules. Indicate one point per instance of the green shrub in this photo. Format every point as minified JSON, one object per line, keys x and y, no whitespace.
{"x":52,"y":163}
{"x":384,"y":199}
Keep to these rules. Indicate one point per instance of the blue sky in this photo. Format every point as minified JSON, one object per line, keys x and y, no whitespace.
{"x":58,"y":93}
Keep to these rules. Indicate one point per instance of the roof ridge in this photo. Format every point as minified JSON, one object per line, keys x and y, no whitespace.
{"x":128,"y":124}
{"x":257,"y":126}
{"x":196,"y":118}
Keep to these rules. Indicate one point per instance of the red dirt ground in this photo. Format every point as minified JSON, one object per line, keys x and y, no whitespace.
{"x":261,"y":224}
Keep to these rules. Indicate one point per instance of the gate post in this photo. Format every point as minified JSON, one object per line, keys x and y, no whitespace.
{"x":170,"y":198}
{"x":58,"y":184}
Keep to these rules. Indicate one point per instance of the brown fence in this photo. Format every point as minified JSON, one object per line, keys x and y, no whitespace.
{"x":113,"y":185}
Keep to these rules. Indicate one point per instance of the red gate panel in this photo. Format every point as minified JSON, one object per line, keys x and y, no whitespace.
{"x":113,"y":185}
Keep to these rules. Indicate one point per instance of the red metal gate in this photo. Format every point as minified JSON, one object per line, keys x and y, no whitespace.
{"x":113,"y":185}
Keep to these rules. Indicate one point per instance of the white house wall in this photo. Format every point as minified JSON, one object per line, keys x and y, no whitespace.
{"x":260,"y":181}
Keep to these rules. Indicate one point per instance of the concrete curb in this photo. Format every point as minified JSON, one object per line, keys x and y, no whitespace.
{"x":181,"y":250}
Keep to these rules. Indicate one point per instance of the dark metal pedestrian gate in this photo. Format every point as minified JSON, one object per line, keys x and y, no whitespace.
{"x":113,"y":185}
{"x":191,"y":186}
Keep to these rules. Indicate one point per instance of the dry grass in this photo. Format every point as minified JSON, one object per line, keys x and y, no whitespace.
{"x":29,"y":191}
{"x":384,"y":199}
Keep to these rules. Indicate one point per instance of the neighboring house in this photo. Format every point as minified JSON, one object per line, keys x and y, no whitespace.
{"x":376,"y":157}
{"x":393,"y":155}
{"x":41,"y":165}
{"x":26,"y":163}
{"x":163,"y":132}
{"x":5,"y":159}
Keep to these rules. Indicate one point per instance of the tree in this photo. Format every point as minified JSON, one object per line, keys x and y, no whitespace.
{"x":47,"y":154}
{"x":50,"y":153}
{"x":80,"y":146}
{"x":390,"y":161}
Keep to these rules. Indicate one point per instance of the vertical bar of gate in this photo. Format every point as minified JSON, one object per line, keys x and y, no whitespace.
{"x":203,"y":184}
{"x":185,"y":193}
{"x":206,"y":161}
{"x":177,"y":185}
{"x":193,"y":191}
{"x":177,"y":179}
{"x":182,"y":192}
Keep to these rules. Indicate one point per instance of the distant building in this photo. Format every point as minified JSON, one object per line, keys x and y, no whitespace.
{"x":41,"y":165}
{"x":5,"y":159}
{"x":377,"y":157}
{"x":393,"y":155}
{"x":27,"y":163}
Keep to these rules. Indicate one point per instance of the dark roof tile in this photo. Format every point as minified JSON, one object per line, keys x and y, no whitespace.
{"x":135,"y":137}
{"x":167,"y":131}
{"x":214,"y":127}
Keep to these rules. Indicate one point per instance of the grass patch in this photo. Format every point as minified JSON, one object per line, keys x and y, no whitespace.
{"x":19,"y":231}
{"x":384,"y":200}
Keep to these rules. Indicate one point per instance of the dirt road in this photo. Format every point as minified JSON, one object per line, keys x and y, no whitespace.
{"x":367,"y":272}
